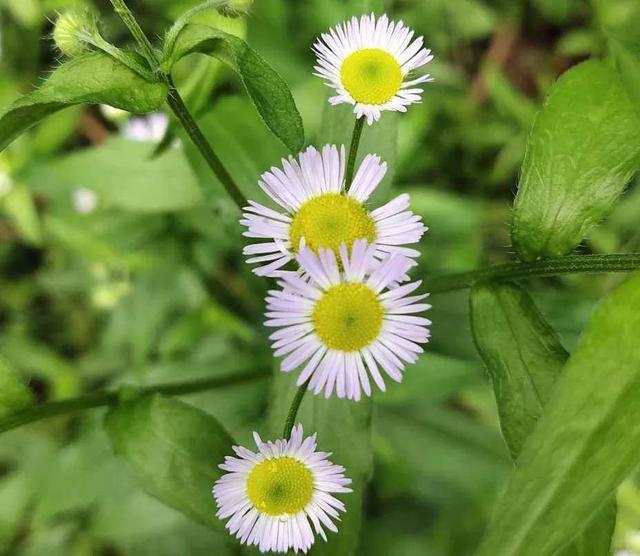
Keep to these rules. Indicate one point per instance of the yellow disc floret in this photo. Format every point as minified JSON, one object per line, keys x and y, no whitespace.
{"x":348,"y":317}
{"x":330,"y":220}
{"x":371,"y":76}
{"x":280,"y":486}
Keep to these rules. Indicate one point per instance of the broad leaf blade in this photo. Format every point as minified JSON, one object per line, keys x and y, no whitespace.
{"x":586,"y":442}
{"x":268,"y":91}
{"x":174,"y":449}
{"x":524,"y":357}
{"x":14,"y":394}
{"x":522,"y":353}
{"x":93,"y":78}
{"x":583,"y":149}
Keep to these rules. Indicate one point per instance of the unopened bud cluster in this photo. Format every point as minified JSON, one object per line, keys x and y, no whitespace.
{"x":74,"y":30}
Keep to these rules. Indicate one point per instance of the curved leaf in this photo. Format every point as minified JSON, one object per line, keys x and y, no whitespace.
{"x":585,"y":443}
{"x":524,"y":357}
{"x":583,"y":149}
{"x":174,"y":449}
{"x":268,"y":91}
{"x":93,"y":78}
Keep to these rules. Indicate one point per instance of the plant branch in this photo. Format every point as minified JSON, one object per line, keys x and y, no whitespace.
{"x":138,"y":34}
{"x":179,"y":107}
{"x":37,"y":412}
{"x":293,"y":410}
{"x":353,"y":151}
{"x":200,"y":141}
{"x":570,"y":264}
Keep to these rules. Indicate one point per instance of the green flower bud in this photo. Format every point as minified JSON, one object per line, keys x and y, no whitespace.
{"x":237,"y":8}
{"x":73,"y":32}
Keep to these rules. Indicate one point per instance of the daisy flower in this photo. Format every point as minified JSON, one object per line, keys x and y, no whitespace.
{"x":317,"y":209}
{"x":278,"y":496}
{"x":368,"y":62}
{"x":344,"y":324}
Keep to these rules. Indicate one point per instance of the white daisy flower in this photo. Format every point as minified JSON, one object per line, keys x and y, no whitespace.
{"x":276,"y":497}
{"x":368,"y":62}
{"x":318,"y":210}
{"x":344,"y":323}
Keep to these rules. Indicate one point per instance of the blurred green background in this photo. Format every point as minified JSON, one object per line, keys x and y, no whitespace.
{"x":117,"y":268}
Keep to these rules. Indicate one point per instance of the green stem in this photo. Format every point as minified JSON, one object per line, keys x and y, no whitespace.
{"x":353,"y":151}
{"x":100,"y":399}
{"x":200,"y":141}
{"x":570,"y":264}
{"x":293,"y":410}
{"x":138,"y":34}
{"x":185,"y":18}
{"x":179,"y":107}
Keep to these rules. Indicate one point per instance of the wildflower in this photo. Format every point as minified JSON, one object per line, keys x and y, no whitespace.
{"x":368,"y":62}
{"x":345,"y":325}
{"x":274,"y":496}
{"x":150,"y":128}
{"x":318,"y":210}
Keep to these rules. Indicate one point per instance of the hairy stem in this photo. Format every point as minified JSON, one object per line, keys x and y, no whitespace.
{"x":200,"y":141}
{"x":138,"y":34}
{"x":293,"y":410}
{"x":100,"y":399}
{"x":353,"y":151}
{"x":570,"y":264}
{"x":179,"y":107}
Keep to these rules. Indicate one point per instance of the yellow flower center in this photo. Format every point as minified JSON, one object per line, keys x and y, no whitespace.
{"x":348,"y":317}
{"x":371,"y":76}
{"x":329,"y":220}
{"x":280,"y":486}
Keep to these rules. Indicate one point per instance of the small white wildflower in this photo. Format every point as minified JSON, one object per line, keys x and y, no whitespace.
{"x":150,"y":128}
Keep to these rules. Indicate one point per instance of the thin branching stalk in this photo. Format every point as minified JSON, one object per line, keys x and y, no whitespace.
{"x":353,"y":150}
{"x":37,"y":412}
{"x":570,"y":264}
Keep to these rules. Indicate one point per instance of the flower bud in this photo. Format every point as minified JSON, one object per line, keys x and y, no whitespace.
{"x":236,"y":8}
{"x":73,"y":32}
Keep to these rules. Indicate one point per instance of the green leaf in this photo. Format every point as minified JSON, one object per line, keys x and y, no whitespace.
{"x":349,"y":443}
{"x":586,"y":441}
{"x":174,"y":449}
{"x":524,"y":357}
{"x":14,"y":394}
{"x":268,"y":91}
{"x":94,"y":78}
{"x":626,"y":56}
{"x":583,"y":148}
{"x":20,"y":206}
{"x":121,"y":173}
{"x":522,"y":353}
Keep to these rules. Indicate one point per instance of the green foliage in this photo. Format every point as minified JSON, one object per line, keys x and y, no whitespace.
{"x":174,"y":448}
{"x":586,"y":441}
{"x":89,"y":79}
{"x":626,"y":56}
{"x":583,"y":149}
{"x":14,"y":394}
{"x":524,"y":357}
{"x":269,"y":93}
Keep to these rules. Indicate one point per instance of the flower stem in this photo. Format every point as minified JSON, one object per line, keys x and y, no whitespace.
{"x":99,"y":399}
{"x":178,"y":106}
{"x":353,"y":151}
{"x":293,"y":410}
{"x":200,"y":141}
{"x":570,"y":264}
{"x":138,"y":34}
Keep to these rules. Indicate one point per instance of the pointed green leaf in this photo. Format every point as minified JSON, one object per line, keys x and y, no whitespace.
{"x":268,"y":91}
{"x":586,"y":441}
{"x":14,"y":394}
{"x":524,"y":357}
{"x":583,"y":149}
{"x":174,"y":450}
{"x":94,"y":78}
